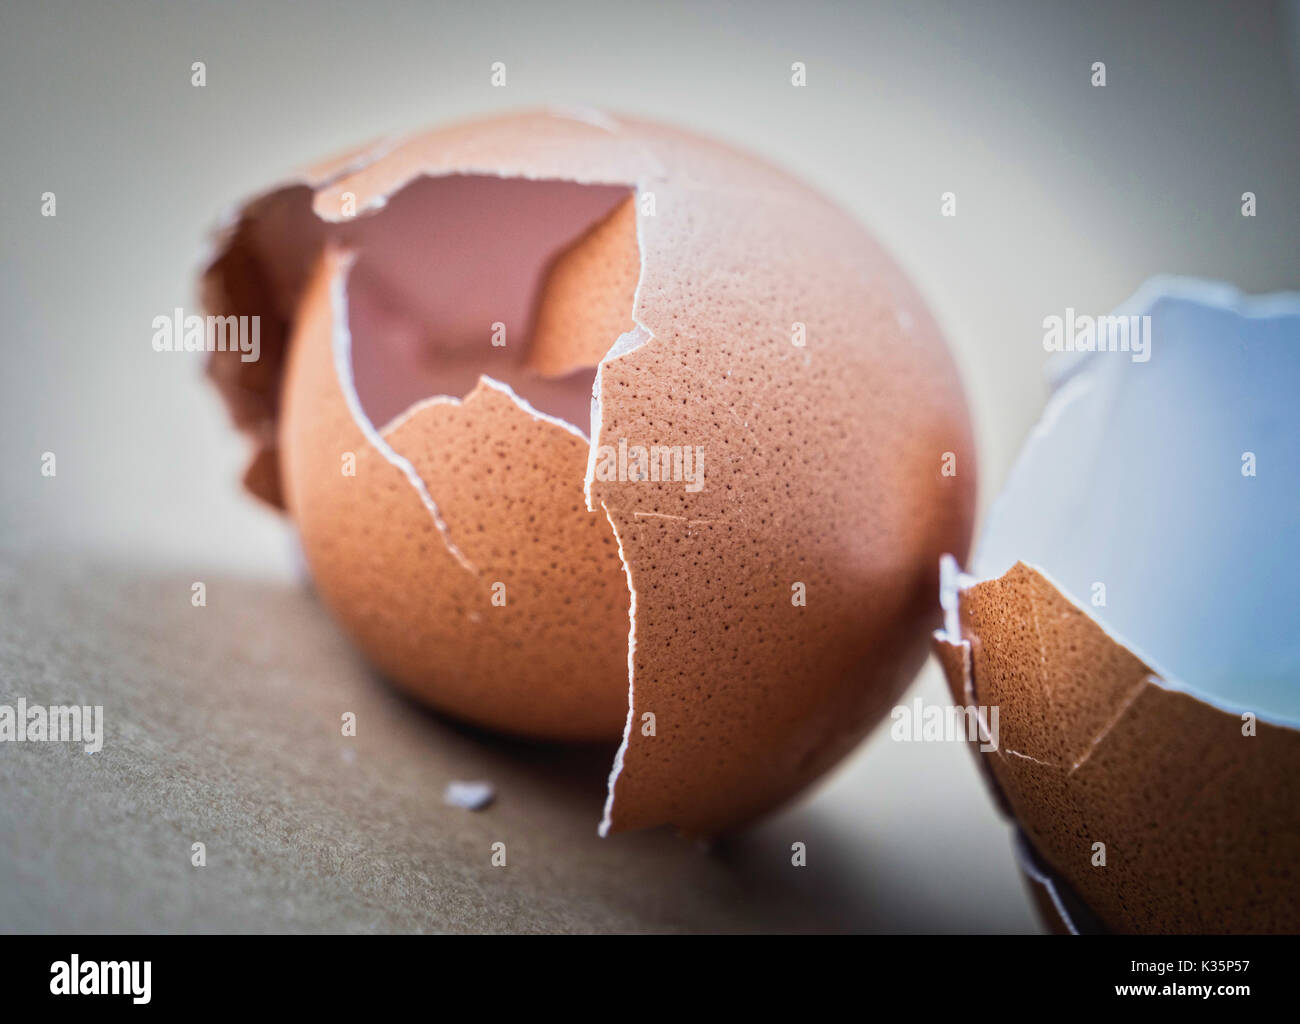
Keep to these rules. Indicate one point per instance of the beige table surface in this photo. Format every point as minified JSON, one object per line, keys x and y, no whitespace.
{"x":222,"y":722}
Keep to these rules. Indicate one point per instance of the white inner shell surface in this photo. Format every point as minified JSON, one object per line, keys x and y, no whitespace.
{"x":445,"y":288}
{"x":441,"y":267}
{"x":1136,"y":478}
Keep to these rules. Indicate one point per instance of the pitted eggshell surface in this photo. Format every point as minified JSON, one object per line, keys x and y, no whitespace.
{"x":822,"y":466}
{"x":1093,"y":748}
{"x":1148,"y":741}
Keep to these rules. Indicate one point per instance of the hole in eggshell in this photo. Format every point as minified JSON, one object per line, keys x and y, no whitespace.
{"x":452,"y":278}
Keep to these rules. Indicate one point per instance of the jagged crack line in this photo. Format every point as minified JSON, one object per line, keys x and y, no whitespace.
{"x":342,"y":343}
{"x":607,"y":820}
{"x":1106,"y":730}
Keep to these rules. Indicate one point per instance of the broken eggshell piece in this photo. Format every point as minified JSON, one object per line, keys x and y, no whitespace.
{"x":454,"y":496}
{"x":1131,"y":615}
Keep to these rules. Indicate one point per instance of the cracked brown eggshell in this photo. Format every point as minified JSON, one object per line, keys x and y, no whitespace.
{"x":1182,"y":761}
{"x":1093,"y":748}
{"x":711,"y":302}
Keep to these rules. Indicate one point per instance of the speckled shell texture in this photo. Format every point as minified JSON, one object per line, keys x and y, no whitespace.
{"x":1092,"y":748}
{"x":824,"y":467}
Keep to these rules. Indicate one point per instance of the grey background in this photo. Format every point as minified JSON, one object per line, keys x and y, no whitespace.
{"x":222,"y":722}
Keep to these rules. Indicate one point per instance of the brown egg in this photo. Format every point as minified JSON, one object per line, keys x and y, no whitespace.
{"x":591,"y":426}
{"x":1131,"y":619}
